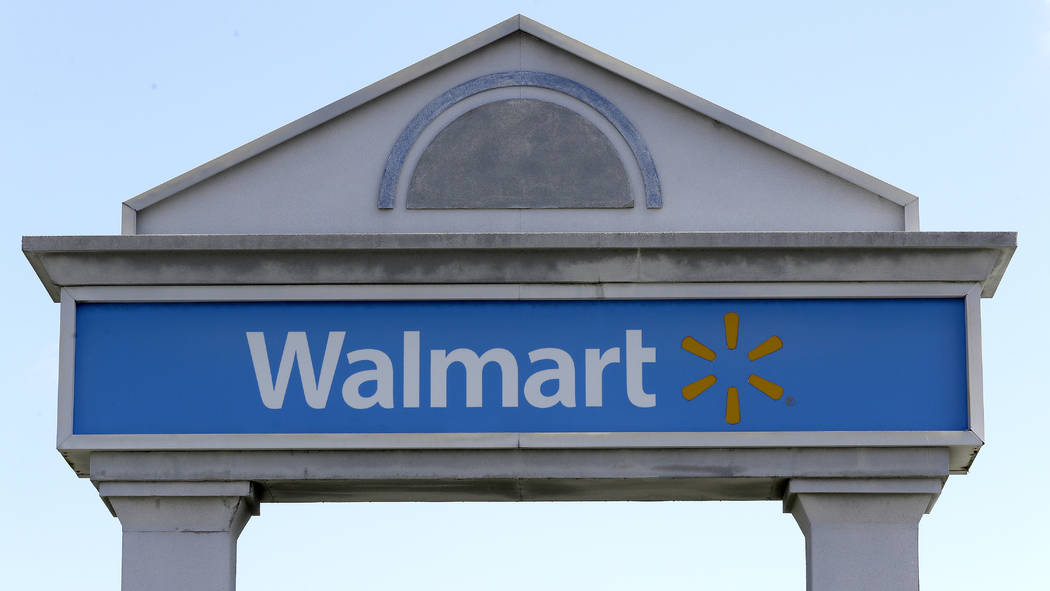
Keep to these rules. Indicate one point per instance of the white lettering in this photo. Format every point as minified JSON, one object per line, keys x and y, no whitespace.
{"x":564,"y":373}
{"x":411,"y":369}
{"x":474,"y":366}
{"x":296,"y":348}
{"x":317,"y":384}
{"x":382,"y":375}
{"x":637,"y":355}
{"x":595,"y":362}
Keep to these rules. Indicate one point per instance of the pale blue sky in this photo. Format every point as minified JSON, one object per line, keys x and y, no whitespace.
{"x":948,"y":100}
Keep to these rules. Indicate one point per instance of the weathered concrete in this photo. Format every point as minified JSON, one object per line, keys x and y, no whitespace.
{"x":520,"y":474}
{"x":519,"y":153}
{"x":861,"y":535}
{"x":180,"y":535}
{"x":64,"y":261}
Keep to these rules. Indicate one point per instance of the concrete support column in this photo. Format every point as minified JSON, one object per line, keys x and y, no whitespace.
{"x":180,"y":535}
{"x":861,"y":534}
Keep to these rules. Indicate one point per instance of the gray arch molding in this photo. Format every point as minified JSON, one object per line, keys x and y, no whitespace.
{"x":396,"y":160}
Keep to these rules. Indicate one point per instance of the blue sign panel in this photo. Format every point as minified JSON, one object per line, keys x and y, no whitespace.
{"x":520,"y":366}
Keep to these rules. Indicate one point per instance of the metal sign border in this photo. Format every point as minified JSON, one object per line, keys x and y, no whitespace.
{"x":963,"y":443}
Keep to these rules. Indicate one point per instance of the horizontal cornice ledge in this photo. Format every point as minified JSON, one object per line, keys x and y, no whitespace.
{"x":613,"y":257}
{"x":517,"y":240}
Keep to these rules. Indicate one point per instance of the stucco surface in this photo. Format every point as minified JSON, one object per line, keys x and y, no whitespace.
{"x":713,"y":177}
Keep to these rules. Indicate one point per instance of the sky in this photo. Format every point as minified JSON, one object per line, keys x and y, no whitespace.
{"x":101,"y":101}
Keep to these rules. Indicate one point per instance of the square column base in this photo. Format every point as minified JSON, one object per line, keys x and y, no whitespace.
{"x":180,"y":535}
{"x":861,"y":534}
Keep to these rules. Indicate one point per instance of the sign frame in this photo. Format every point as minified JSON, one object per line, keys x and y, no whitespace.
{"x":963,"y":444}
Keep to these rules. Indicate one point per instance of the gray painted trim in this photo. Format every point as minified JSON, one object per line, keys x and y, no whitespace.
{"x":563,"y":42}
{"x":160,"y":487}
{"x":974,"y":364}
{"x":376,"y":441}
{"x":396,"y":160}
{"x":513,"y":474}
{"x":870,"y":486}
{"x":521,"y":258}
{"x":911,"y":216}
{"x":128,"y":220}
{"x":601,"y":291}
{"x":66,"y":365}
{"x":77,"y":448}
{"x":293,"y":466}
{"x":67,"y":347}
{"x":175,"y":489}
{"x":521,"y":240}
{"x":863,"y":486}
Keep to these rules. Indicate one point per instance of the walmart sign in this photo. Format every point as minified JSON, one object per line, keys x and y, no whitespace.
{"x":520,"y":366}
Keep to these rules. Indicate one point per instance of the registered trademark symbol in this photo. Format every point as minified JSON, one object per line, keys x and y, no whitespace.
{"x":790,"y":401}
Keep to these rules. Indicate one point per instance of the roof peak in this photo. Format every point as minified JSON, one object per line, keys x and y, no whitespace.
{"x":514,"y":24}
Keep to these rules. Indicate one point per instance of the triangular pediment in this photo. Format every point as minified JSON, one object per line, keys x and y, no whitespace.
{"x":520,"y":128}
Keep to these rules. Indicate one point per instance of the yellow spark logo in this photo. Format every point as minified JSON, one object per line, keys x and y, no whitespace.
{"x":770,"y":345}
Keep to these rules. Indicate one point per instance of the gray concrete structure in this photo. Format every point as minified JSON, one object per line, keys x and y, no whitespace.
{"x":861,"y":534}
{"x":180,"y":535}
{"x":620,"y":259}
{"x":745,"y":213}
{"x":718,"y":171}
